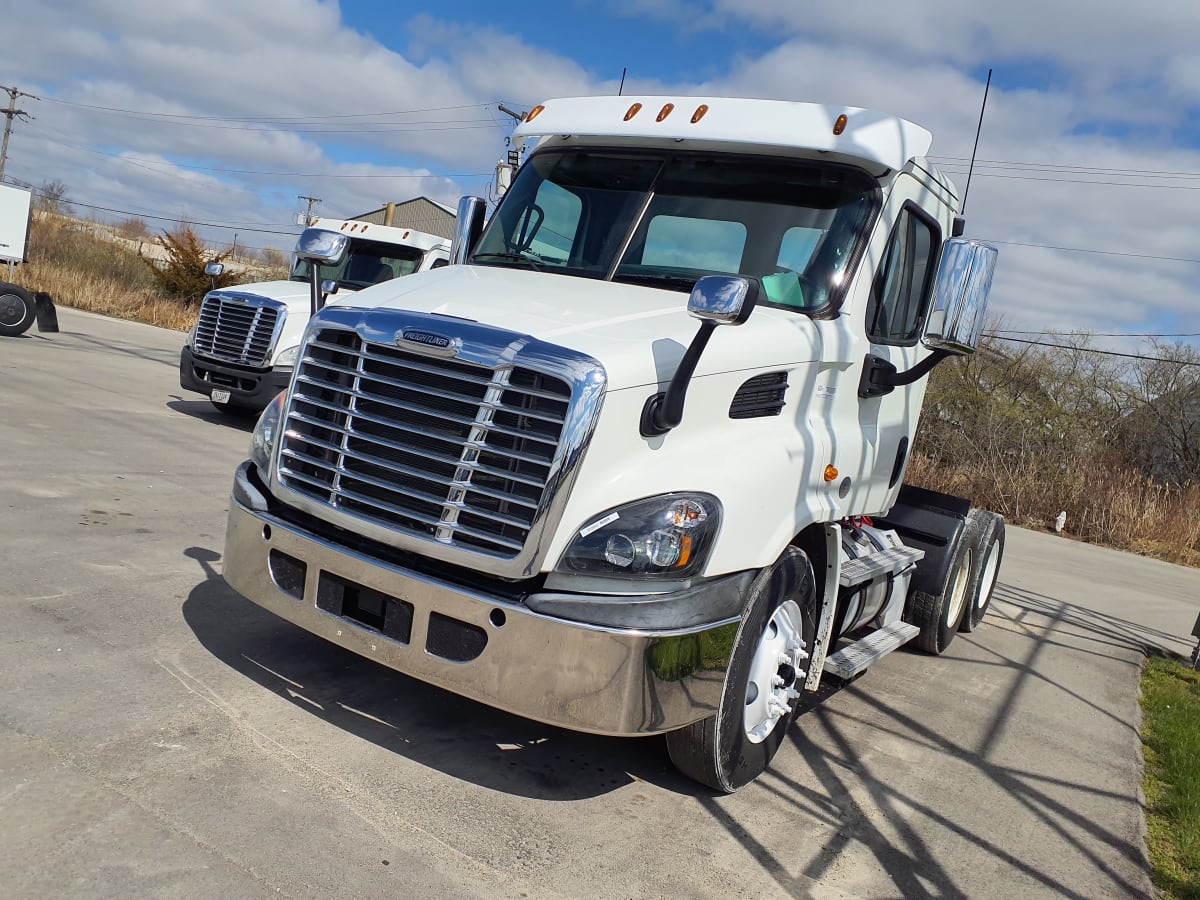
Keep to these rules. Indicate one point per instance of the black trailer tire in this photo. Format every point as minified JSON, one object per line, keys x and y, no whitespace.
{"x":17,"y":311}
{"x":725,"y":751}
{"x":938,"y":615}
{"x":988,"y":530}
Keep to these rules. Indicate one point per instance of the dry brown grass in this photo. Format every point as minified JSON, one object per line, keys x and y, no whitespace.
{"x":95,"y":293}
{"x":1104,"y":504}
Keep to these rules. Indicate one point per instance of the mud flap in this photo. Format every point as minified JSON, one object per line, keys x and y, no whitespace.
{"x":47,"y":315}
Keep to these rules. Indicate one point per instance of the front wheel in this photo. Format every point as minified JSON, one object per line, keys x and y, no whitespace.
{"x":767,"y":668}
{"x":16,"y":310}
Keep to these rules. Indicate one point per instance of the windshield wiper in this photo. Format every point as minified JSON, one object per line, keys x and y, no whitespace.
{"x":511,"y":257}
{"x":654,"y":279}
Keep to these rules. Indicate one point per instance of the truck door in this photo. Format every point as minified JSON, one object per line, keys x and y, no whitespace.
{"x":896,"y":306}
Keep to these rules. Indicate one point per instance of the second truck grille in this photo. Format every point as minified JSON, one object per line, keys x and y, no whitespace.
{"x":236,"y":331}
{"x":429,"y":446}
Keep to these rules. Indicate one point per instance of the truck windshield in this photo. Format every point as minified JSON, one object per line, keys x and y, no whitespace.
{"x":666,"y":220}
{"x":366,"y":263}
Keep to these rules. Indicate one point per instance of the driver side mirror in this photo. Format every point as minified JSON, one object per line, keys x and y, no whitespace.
{"x":960,"y":296}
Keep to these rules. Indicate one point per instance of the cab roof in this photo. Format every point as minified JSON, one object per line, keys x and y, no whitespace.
{"x":750,"y":125}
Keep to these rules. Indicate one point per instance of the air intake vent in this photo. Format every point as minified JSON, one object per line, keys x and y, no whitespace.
{"x":761,"y":396}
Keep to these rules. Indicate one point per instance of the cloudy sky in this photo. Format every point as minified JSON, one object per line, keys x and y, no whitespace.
{"x":224,"y":112}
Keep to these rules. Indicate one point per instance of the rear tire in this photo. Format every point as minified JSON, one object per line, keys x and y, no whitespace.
{"x":988,"y":530}
{"x":17,"y":311}
{"x":768,"y":664}
{"x":938,"y":615}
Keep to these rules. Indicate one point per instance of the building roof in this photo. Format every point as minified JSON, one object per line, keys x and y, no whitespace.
{"x":420,"y":214}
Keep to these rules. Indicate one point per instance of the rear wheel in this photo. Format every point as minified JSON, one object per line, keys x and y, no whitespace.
{"x":938,"y":615}
{"x":988,"y":530}
{"x":16,"y":310}
{"x":767,"y":668}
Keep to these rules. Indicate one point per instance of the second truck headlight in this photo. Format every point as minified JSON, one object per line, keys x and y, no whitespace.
{"x":266,"y":433}
{"x":669,"y":536}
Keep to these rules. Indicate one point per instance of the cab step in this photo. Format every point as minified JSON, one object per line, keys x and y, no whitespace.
{"x":856,"y":657}
{"x":894,"y":559}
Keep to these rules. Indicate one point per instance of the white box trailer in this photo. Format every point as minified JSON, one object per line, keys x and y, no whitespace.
{"x":15,"y":204}
{"x":18,"y":307}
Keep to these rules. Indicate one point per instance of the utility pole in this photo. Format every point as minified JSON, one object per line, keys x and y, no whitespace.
{"x":312,"y":201}
{"x":11,"y":113}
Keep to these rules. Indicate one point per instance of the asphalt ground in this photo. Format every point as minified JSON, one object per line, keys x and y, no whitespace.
{"x":160,"y":736}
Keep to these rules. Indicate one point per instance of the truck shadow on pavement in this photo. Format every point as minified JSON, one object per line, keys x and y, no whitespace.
{"x":204,"y":410}
{"x":1006,"y":800}
{"x":435,"y":728}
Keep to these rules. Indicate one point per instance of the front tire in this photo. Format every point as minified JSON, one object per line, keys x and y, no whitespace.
{"x":16,"y":310}
{"x":766,"y":671}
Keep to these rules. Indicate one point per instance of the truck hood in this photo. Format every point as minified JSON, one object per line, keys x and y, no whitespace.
{"x":637,"y":333}
{"x":293,"y":294}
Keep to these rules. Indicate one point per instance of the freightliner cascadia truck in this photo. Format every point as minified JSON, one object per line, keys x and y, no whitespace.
{"x":633,"y":463}
{"x":242,"y":349}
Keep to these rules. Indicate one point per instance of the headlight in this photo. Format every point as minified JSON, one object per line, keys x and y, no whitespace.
{"x":287,"y":358}
{"x":266,"y":432}
{"x":667,"y":537}
{"x":190,"y":340}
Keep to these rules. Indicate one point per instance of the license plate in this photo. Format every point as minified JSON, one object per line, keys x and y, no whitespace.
{"x":220,"y":396}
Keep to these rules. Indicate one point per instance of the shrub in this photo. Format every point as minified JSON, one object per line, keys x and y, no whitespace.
{"x":181,"y":274}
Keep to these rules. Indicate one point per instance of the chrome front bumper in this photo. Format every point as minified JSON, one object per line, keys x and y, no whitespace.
{"x":584,"y":677}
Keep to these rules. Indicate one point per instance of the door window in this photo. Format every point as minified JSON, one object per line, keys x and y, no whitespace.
{"x":900,"y":290}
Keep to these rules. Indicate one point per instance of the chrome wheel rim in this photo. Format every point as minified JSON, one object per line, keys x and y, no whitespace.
{"x":774,"y":672}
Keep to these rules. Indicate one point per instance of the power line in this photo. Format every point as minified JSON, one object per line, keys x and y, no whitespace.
{"x":281,"y":119}
{"x":1137,"y":334}
{"x":1178,"y":362}
{"x":1073,"y":168}
{"x":1185,"y":259}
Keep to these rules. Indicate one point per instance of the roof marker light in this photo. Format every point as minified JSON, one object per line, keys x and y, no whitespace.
{"x":344,"y":224}
{"x":404,"y":236}
{"x":699,"y":113}
{"x":534,"y":113}
{"x":831,"y":473}
{"x":633,"y":111}
{"x":840,"y":125}
{"x":664,"y":112}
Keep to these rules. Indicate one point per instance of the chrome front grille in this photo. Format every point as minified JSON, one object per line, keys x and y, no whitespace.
{"x":237,"y":330}
{"x":429,"y":446}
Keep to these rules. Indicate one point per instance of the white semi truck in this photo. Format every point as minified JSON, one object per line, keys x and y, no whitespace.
{"x":242,"y":349}
{"x":633,"y":463}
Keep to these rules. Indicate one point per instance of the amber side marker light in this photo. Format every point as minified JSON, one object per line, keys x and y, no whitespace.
{"x":664,"y":112}
{"x":831,"y":473}
{"x":699,"y":113}
{"x":633,"y":111}
{"x":840,"y":125}
{"x":534,"y":113}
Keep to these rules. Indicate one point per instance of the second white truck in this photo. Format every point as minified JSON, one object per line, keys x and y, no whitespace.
{"x":243,"y":347}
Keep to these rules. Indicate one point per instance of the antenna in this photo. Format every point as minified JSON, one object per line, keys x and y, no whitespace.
{"x":621,"y":89}
{"x":979,"y":128}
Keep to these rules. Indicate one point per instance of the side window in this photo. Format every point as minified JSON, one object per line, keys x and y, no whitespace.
{"x":898,"y":293}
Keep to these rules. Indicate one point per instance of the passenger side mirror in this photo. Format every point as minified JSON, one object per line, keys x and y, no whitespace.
{"x":319,"y":247}
{"x":723,"y":299}
{"x":322,"y":247}
{"x":960,"y":296}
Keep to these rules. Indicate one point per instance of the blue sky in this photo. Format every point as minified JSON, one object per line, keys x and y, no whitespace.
{"x":223,"y":112}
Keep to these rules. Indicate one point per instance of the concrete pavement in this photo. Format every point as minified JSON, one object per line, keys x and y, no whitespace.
{"x":160,"y":736}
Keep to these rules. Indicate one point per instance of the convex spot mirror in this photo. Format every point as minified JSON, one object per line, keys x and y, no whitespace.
{"x":960,"y":295}
{"x":214,"y":269}
{"x":723,"y":299}
{"x":321,"y":246}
